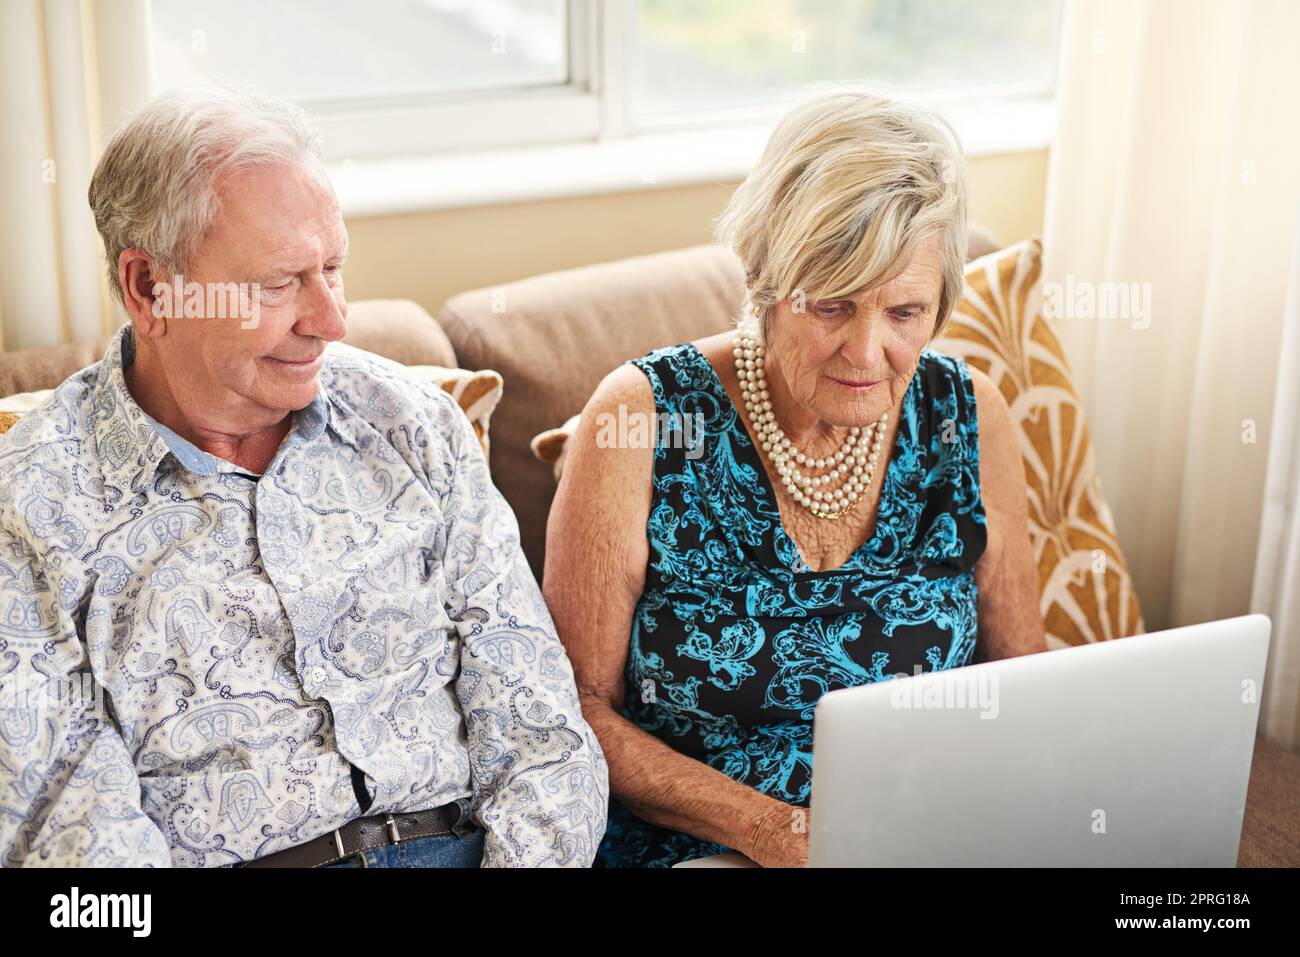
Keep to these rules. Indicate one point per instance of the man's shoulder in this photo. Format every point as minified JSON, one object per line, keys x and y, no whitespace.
{"x":381,"y":391}
{"x":63,"y":417}
{"x":42,"y":455}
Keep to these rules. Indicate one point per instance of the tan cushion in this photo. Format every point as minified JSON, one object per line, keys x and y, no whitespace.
{"x":31,"y":370}
{"x":998,"y":327}
{"x":401,"y":330}
{"x":980,"y":242}
{"x":552,"y":446}
{"x":554,"y":337}
{"x":477,"y":393}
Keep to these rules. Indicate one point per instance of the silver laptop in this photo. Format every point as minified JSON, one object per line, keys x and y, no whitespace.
{"x":1127,"y":753}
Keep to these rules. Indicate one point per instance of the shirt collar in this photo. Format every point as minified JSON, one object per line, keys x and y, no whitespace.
{"x":129,"y":447}
{"x":132,"y":444}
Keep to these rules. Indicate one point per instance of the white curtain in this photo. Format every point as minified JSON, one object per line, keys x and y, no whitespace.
{"x":69,"y":70}
{"x":1175,"y":175}
{"x":1277,"y":569}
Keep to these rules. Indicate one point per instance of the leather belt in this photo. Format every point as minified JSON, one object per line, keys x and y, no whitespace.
{"x":361,"y":834}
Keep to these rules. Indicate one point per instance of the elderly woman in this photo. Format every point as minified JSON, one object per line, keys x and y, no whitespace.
{"x":856,"y":510}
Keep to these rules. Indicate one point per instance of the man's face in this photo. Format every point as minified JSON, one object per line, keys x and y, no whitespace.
{"x":279,"y":231}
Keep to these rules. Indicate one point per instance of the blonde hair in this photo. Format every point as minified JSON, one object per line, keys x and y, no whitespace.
{"x":155,"y":186}
{"x":847,"y":187}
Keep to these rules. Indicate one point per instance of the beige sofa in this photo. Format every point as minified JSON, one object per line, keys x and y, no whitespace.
{"x":553,"y":338}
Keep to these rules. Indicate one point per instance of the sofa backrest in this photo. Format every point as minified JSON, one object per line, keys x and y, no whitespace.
{"x":554,"y":337}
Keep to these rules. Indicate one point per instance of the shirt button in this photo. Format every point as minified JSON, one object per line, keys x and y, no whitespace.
{"x":318,"y":675}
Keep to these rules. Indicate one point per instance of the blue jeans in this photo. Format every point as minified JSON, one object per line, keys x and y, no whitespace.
{"x":440,"y":850}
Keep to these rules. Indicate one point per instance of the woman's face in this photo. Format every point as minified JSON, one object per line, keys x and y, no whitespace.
{"x":850,"y":360}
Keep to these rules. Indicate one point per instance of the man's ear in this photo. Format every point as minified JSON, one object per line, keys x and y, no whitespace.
{"x":148,"y":300}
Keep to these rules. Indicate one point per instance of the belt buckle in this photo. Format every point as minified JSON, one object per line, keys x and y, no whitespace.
{"x":393,"y":834}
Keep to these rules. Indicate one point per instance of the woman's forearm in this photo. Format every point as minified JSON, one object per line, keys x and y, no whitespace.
{"x":677,"y":792}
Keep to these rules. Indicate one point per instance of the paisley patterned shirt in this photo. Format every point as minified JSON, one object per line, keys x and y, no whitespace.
{"x":230,"y":645}
{"x":735,"y":639}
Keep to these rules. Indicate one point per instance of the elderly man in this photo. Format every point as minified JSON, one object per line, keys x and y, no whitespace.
{"x":259,"y":599}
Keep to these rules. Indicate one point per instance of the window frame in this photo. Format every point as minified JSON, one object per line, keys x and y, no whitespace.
{"x":595,"y":106}
{"x":520,"y":116}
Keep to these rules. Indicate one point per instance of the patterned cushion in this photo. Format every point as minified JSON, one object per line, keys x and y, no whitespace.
{"x":552,"y":445}
{"x":998,"y":327}
{"x":1086,"y":593}
{"x":477,"y":393}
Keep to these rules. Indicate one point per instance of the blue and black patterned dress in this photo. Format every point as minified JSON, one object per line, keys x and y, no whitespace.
{"x":735,"y":639}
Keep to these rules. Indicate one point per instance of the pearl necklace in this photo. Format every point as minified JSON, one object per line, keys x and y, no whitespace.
{"x":851,"y":467}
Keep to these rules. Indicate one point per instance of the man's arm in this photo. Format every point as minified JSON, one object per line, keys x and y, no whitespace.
{"x":541,"y":787}
{"x":69,"y":793}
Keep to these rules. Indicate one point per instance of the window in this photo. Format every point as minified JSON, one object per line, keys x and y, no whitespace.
{"x":394,"y":78}
{"x":391,"y":77}
{"x":331,"y":53}
{"x":703,"y":60}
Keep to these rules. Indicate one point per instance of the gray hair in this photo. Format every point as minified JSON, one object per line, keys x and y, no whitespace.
{"x":155,"y":186}
{"x":847,"y":186}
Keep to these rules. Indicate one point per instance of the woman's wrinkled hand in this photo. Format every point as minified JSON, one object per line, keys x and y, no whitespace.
{"x":780,"y":837}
